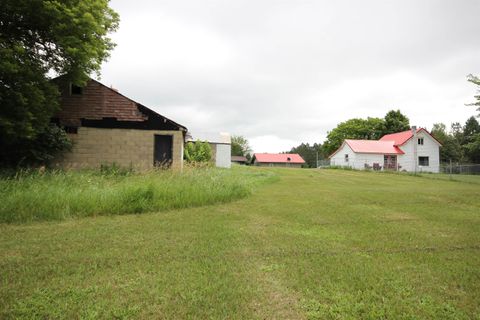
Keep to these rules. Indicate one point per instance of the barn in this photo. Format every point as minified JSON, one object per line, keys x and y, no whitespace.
{"x":106,"y":127}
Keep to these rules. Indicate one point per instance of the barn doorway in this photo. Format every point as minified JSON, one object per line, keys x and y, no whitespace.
{"x":162,"y":153}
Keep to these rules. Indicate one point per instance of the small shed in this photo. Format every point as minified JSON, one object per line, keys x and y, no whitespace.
{"x":221,"y":144}
{"x":239,"y":159}
{"x":292,"y":160}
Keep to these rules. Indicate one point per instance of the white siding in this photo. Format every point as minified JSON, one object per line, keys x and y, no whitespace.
{"x":430,"y":149}
{"x":338,"y":158}
{"x":367,"y":159}
{"x":355,"y":160}
{"x":223,"y":156}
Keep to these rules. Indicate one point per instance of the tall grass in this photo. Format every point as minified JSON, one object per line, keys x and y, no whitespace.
{"x":35,"y":196}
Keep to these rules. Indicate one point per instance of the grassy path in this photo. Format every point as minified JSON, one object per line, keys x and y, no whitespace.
{"x":313,"y":245}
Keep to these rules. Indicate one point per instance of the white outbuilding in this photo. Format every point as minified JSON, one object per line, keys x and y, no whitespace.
{"x":221,"y":144}
{"x":413,"y":150}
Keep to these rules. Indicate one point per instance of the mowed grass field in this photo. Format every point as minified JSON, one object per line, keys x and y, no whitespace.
{"x":314,"y":244}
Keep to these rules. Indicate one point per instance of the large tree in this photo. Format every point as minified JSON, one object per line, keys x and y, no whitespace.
{"x":395,"y":121}
{"x":39,"y":38}
{"x":471,"y":128}
{"x":451,"y":149}
{"x":471,"y":140}
{"x":240,"y":146}
{"x":369,"y":129}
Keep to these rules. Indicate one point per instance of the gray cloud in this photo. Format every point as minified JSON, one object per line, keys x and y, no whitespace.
{"x":285,"y":72}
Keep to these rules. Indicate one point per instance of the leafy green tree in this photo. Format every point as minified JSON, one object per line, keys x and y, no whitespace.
{"x":309,"y":153}
{"x":472,"y":149}
{"x":457,"y":131}
{"x":38,"y":37}
{"x":475,"y":80}
{"x":395,"y":121}
{"x":471,"y":128}
{"x":471,"y":140}
{"x":369,"y":129}
{"x":240,"y":146}
{"x":198,"y":151}
{"x":451,"y":148}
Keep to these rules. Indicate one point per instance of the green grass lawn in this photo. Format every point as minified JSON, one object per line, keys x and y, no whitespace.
{"x":315,"y":244}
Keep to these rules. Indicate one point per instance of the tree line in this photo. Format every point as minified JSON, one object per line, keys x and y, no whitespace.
{"x":460,"y":143}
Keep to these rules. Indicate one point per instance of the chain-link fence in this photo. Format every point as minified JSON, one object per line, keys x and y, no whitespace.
{"x":405,"y":165}
{"x":424,"y":164}
{"x":460,"y":168}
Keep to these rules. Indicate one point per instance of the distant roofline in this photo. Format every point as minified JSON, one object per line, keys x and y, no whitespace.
{"x":254,"y":157}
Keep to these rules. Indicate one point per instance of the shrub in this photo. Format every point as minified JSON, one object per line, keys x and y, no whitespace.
{"x":198,"y":151}
{"x":41,"y":150}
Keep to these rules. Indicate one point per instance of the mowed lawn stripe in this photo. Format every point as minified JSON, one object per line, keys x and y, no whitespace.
{"x":366,"y":245}
{"x":169,"y":265}
{"x":316,"y":244}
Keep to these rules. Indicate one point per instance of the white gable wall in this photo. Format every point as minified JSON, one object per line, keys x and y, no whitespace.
{"x":338,"y":158}
{"x":429,"y":149}
{"x":355,"y":160}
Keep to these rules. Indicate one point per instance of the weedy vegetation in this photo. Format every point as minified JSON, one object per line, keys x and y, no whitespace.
{"x":33,"y":195}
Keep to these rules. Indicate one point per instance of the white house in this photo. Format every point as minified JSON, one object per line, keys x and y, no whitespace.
{"x":221,"y":144}
{"x":414,"y":150}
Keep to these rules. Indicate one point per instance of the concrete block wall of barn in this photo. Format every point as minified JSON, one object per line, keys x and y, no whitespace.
{"x":93,"y":147}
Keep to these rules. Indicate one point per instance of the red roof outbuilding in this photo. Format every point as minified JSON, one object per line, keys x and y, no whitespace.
{"x":279,"y":158}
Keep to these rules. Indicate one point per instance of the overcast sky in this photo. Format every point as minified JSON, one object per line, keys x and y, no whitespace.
{"x":284,"y":72}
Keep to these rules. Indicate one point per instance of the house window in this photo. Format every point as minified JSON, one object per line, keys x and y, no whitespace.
{"x":346,"y":158}
{"x":420,"y":141}
{"x":75,"y":90}
{"x":423,"y":161}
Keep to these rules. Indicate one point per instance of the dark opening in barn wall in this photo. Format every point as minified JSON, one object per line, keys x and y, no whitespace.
{"x":162,"y":155}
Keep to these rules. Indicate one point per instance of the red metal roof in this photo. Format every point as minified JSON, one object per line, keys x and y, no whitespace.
{"x":399,"y":138}
{"x":373,"y":146}
{"x":279,"y":157}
